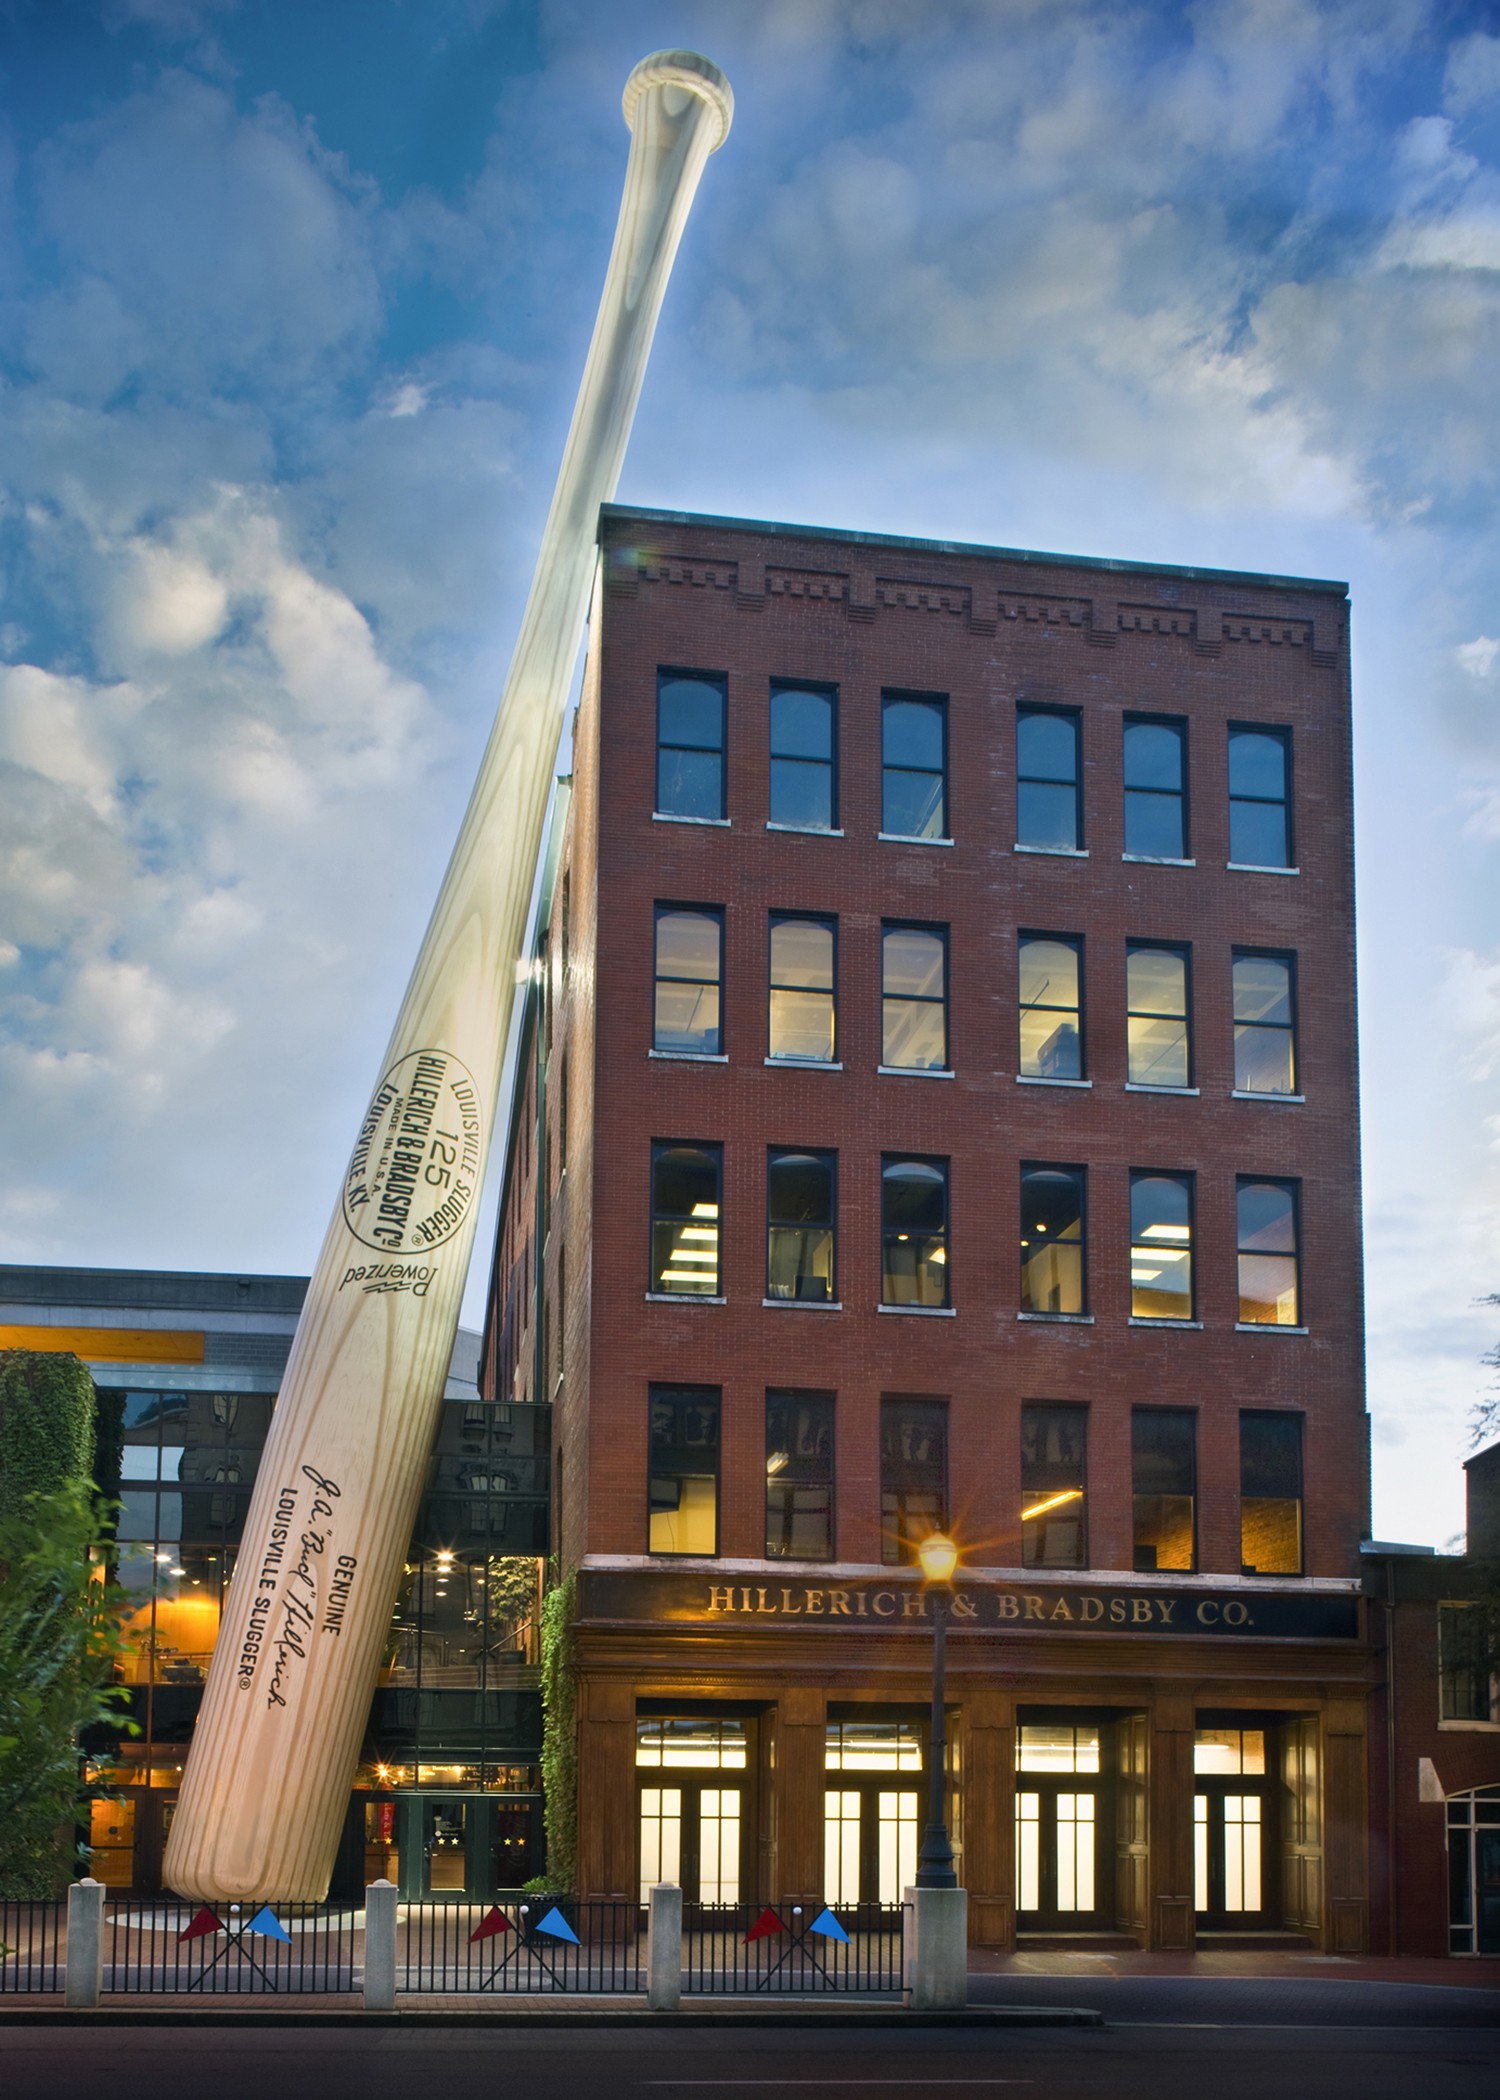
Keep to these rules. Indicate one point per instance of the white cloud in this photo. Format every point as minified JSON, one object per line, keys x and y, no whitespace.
{"x":1471,"y":78}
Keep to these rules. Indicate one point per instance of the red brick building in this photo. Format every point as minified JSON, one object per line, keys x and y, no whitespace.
{"x":942,"y":1111}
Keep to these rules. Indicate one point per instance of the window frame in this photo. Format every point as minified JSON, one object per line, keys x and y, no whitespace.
{"x":1291,"y":1187}
{"x":1178,"y":724}
{"x":894,"y":696}
{"x":895,"y":1537}
{"x":1290,"y":1029}
{"x":683,"y":1394}
{"x":1276,"y":1414}
{"x":1079,"y":1175}
{"x":829,"y":1157}
{"x":940,"y":934}
{"x":665,"y":674}
{"x":1024,"y":936}
{"x":806,"y":918}
{"x":1188,"y":1415}
{"x":830,"y":693}
{"x":1025,"y":709}
{"x":944,"y":1165}
{"x":660,"y":1147}
{"x":1282,"y":732}
{"x":1078,"y":1410}
{"x":664,"y":908}
{"x":1184,"y":952}
{"x":1188,"y":1180}
{"x":800,"y":1396}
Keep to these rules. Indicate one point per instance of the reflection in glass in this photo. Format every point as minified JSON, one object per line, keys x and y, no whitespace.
{"x":1045,"y":1746}
{"x":1157,"y":1025}
{"x":799,"y":1476}
{"x":1235,"y":1752}
{"x":690,"y":1744}
{"x":802,"y":993}
{"x":872,"y":1746}
{"x":1259,"y":826}
{"x":1050,"y":989}
{"x":1052,"y":1239}
{"x":689,"y":963}
{"x":684,"y":1491}
{"x":1047,"y":801}
{"x":914,"y":1232}
{"x":690,"y":747}
{"x":799,"y":1232}
{"x":1161,"y":1247}
{"x":1267,"y":1221}
{"x":802,"y":722}
{"x":1271,"y":1494}
{"x":1053,"y":1452}
{"x":685,"y":1181}
{"x":1156,"y":790}
{"x":914,"y":793}
{"x":914,"y":998}
{"x":1265,"y":1059}
{"x":913,"y":1475}
{"x":1163,"y":1456}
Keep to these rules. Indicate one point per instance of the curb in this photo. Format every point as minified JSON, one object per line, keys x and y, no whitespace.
{"x":736,"y":2016}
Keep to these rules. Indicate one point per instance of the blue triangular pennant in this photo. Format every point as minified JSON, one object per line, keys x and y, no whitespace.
{"x":268,"y":1925}
{"x":828,"y":1926}
{"x":556,"y":1926}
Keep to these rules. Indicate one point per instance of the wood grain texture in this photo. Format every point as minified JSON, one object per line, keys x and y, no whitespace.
{"x":267,"y":1779}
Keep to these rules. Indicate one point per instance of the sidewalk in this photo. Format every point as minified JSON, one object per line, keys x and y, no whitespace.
{"x":1223,"y":1964}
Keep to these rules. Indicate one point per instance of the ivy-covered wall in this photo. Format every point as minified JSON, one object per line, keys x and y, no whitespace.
{"x":46,"y":1425}
{"x":560,"y":1733}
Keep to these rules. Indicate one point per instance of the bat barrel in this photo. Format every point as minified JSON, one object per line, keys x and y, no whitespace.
{"x":307,"y":1615}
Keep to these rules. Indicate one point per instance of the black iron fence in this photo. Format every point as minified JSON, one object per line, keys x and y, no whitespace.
{"x":800,"y":1949}
{"x":595,"y":1947}
{"x":154,"y":1944}
{"x":33,"y":1946}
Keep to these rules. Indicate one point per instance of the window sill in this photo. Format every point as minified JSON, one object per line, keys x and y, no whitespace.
{"x":1182,"y":1326}
{"x":916,"y":1072}
{"x":661,"y":816}
{"x":922,"y":1312}
{"x":805,"y":1064}
{"x":1059,"y":1319}
{"x":1139,"y":1086}
{"x":1469,"y":1727}
{"x":1055,"y":852}
{"x":804,"y":1304}
{"x":906,"y":838}
{"x":1255,"y":867}
{"x":690,"y":1057}
{"x":811,"y":831}
{"x":1035,"y":1079}
{"x":1243,"y":1094}
{"x":1267,"y":1327}
{"x":1158,"y":860}
{"x":682,"y":1298}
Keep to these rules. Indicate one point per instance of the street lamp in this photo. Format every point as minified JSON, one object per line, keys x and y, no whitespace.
{"x":939,"y":1557}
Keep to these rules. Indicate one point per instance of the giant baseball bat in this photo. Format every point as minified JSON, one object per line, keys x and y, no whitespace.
{"x":267,"y":1780}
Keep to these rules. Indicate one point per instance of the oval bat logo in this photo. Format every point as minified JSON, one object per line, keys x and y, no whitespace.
{"x":414,"y":1175}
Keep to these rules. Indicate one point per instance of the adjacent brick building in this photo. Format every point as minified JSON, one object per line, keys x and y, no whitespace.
{"x":939,"y":1107}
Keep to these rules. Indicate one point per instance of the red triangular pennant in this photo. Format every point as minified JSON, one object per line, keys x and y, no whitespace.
{"x":200,"y":1925}
{"x":493,"y":1921}
{"x":766,"y":1927}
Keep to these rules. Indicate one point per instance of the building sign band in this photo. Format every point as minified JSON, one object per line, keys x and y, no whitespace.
{"x":999,"y":1607}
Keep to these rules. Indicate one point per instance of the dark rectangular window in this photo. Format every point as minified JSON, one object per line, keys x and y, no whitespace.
{"x":914,"y":766}
{"x":1052,"y":1240}
{"x":1156,"y":998}
{"x":1468,"y":1663}
{"x":1050,"y":990}
{"x":799,"y":1226}
{"x":1161,"y":1246}
{"x":684,"y":1470}
{"x":1271,"y":1494}
{"x":1260,"y":799}
{"x":913,"y":1474}
{"x":1049,"y":808}
{"x":689,"y":979}
{"x":1265,"y":1031}
{"x":1054,"y":1451}
{"x":1164,"y":1470}
{"x":685,"y":1195}
{"x":1269,"y":1265}
{"x":914,"y":1231}
{"x":914,"y":997}
{"x":803,"y":747}
{"x":802,"y":1022}
{"x":799,"y":1476}
{"x":690,"y":720}
{"x":1156,"y":824}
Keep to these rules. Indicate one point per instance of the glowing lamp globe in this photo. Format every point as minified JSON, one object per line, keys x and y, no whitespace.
{"x":939,"y":1557}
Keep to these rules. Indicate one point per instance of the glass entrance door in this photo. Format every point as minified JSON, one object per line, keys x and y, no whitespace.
{"x":1230,"y":1809}
{"x":872,"y":1810}
{"x":1060,"y":1856}
{"x":444,"y":1825}
{"x":693,"y":1820}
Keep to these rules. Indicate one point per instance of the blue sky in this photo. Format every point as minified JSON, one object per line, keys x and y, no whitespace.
{"x":293,"y":299}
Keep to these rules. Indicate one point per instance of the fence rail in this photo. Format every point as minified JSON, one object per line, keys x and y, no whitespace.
{"x":33,"y":1946}
{"x":157,"y":1944}
{"x":595,"y":1947}
{"x":799,"y":1949}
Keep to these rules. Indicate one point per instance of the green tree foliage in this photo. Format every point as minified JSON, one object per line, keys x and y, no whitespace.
{"x":46,"y":1425}
{"x":59,"y":1637}
{"x":560,"y":1734}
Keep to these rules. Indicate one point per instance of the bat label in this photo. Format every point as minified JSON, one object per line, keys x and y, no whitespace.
{"x":415,"y":1171}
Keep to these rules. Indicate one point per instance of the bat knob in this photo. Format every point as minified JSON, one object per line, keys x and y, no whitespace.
{"x":688,"y":72}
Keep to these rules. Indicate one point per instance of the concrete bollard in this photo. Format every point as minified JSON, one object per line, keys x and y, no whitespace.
{"x":380,"y":1947}
{"x":85,"y":1977}
{"x":937,"y":1950}
{"x":664,"y":1948}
